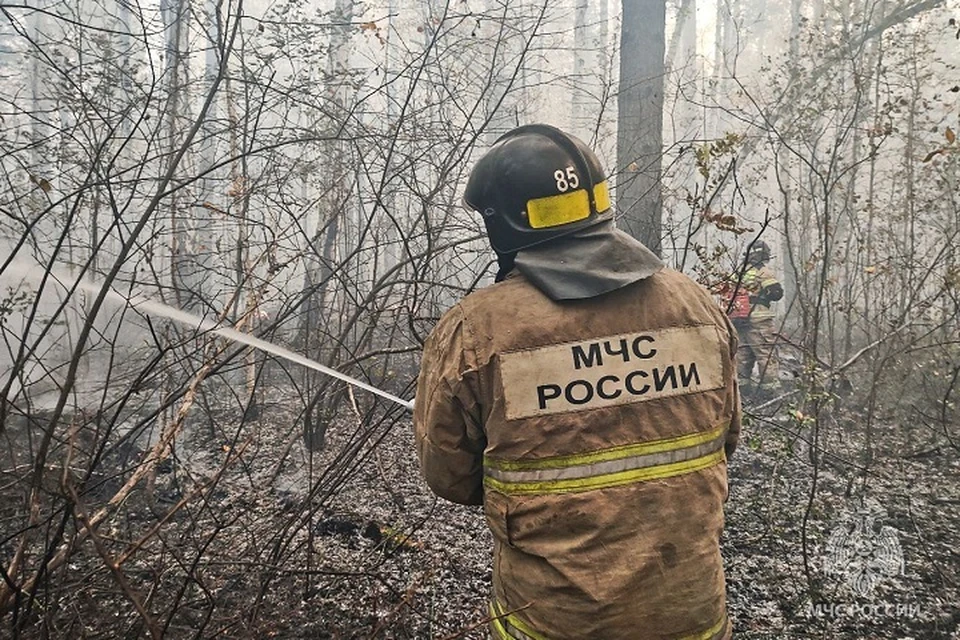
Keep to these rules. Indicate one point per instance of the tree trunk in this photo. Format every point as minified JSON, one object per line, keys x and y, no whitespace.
{"x":505,"y":95}
{"x":789,"y":180}
{"x":183,"y":275}
{"x":640,"y":120}
{"x":580,"y":71}
{"x":590,"y":67}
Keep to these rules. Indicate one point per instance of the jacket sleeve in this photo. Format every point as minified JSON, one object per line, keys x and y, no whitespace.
{"x":770,"y":288}
{"x":733,"y":430}
{"x":447,"y":417}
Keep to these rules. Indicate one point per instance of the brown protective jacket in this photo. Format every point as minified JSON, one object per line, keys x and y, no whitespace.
{"x":595,"y":434}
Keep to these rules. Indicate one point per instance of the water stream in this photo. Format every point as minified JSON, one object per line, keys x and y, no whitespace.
{"x":159,"y":309}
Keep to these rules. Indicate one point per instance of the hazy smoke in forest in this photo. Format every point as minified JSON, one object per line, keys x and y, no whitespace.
{"x":159,"y":309}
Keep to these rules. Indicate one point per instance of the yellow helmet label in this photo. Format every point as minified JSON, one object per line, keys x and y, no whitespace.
{"x":553,"y":211}
{"x":601,"y":194}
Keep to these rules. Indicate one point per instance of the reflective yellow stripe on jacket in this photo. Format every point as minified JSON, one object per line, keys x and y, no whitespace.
{"x":507,"y":626}
{"x":755,"y":280}
{"x":607,"y":467}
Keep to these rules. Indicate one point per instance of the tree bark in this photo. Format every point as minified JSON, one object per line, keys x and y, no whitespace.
{"x":640,"y":120}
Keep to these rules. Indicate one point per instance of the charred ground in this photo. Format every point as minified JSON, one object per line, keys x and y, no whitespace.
{"x":258,"y":537}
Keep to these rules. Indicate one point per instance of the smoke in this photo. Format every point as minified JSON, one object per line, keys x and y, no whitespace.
{"x":25,"y":271}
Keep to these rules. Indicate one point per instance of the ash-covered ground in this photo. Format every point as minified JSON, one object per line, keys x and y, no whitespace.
{"x":420,"y":567}
{"x":349,"y":543}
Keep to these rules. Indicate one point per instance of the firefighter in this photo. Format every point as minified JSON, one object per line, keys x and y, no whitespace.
{"x":748,"y":300}
{"x":588,"y":400}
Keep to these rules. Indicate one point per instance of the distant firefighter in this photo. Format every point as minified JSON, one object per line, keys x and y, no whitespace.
{"x":588,"y":401}
{"x":748,"y":298}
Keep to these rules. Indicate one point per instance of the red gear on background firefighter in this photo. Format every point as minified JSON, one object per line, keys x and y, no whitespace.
{"x":747,"y":297}
{"x":588,"y":401}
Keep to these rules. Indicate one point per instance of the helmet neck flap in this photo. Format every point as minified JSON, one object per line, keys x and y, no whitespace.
{"x":588,"y":263}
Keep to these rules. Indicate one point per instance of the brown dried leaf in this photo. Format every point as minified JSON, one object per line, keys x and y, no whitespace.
{"x":43,"y":183}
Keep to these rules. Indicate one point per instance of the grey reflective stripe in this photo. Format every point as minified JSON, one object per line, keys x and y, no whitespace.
{"x":506,"y":631}
{"x":607,"y":467}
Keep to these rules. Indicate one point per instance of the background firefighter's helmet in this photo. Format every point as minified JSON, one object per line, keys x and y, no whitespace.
{"x":758,"y":253}
{"x":536,"y":184}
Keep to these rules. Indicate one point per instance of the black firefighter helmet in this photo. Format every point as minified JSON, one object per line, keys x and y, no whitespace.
{"x":536,"y":184}
{"x":758,"y":253}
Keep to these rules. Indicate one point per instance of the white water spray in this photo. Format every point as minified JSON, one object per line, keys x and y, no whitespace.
{"x":155,"y":308}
